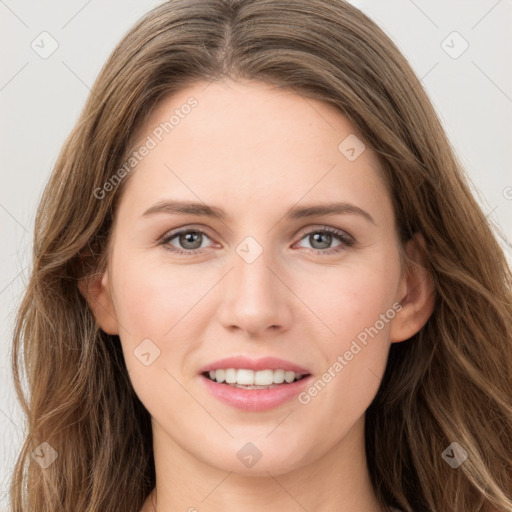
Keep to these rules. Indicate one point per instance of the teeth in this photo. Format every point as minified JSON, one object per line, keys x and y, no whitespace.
{"x":252,"y":378}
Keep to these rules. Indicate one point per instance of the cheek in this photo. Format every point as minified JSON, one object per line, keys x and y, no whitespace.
{"x":355,"y":298}
{"x":151,"y":306}
{"x":155,"y":307}
{"x":357,"y":305}
{"x":151,"y":298}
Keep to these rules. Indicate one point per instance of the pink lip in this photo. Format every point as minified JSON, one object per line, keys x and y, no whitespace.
{"x":264,"y":363}
{"x":255,"y":400}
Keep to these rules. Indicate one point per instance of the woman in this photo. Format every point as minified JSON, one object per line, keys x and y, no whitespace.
{"x":260,"y":280}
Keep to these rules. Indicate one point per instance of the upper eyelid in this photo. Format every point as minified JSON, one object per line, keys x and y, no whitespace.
{"x":175,"y":232}
{"x":302,"y":233}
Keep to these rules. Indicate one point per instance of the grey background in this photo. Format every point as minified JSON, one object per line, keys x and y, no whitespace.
{"x":41,"y":99}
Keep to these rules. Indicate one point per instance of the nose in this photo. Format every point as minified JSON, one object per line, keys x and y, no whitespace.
{"x":254,"y":298}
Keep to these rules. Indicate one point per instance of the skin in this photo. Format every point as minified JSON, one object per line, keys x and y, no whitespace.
{"x":257,"y":151}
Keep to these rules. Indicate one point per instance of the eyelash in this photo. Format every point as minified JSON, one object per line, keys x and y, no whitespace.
{"x":346,"y":241}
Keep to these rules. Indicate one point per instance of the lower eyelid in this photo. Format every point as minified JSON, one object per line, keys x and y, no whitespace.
{"x":344,"y":239}
{"x":166,"y":239}
{"x":344,"y":243}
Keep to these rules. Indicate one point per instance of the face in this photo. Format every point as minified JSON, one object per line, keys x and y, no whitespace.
{"x":259,"y":278}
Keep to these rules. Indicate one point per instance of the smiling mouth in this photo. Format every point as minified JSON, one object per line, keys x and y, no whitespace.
{"x":249,"y":386}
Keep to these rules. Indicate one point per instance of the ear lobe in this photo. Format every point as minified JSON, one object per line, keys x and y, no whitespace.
{"x":96,"y":291}
{"x":418,"y":299}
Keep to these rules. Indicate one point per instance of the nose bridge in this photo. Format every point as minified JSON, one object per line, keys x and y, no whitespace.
{"x":254,"y":298}
{"x":251,"y":272}
{"x":252,"y":278}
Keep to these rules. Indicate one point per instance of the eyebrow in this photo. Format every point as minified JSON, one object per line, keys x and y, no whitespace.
{"x":201,"y":209}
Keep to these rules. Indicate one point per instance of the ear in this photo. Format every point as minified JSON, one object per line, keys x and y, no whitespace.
{"x":416,"y":292}
{"x":96,"y":290}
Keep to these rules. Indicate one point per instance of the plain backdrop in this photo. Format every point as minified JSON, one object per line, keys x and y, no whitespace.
{"x":460,"y":50}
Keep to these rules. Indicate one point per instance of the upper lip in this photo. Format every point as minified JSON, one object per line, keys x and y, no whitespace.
{"x":264,"y":363}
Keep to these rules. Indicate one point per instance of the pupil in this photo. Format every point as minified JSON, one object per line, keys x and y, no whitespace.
{"x":326,"y":243}
{"x":190,"y":238}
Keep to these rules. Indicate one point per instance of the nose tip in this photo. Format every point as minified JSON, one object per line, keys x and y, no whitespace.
{"x":254,"y":300}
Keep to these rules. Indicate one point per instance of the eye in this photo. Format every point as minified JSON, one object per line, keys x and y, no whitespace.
{"x":321,"y":239}
{"x":190,"y":240}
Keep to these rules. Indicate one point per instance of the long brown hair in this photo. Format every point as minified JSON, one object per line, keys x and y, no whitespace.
{"x":451,"y":382}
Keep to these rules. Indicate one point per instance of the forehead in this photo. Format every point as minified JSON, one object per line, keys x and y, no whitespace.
{"x":250,"y":141}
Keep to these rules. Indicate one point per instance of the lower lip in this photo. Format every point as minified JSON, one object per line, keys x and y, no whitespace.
{"x":255,"y":399}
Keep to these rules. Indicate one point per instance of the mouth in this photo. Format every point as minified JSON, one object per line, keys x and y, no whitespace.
{"x":254,"y":397}
{"x":254,"y":385}
{"x":248,"y":379}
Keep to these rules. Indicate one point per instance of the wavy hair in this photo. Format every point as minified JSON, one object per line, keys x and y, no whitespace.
{"x":451,"y":382}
